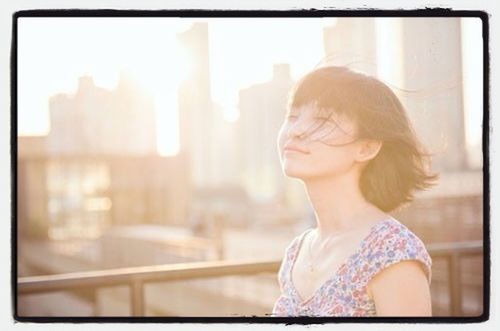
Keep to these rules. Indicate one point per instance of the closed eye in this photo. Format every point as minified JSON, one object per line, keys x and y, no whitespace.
{"x":327,"y":119}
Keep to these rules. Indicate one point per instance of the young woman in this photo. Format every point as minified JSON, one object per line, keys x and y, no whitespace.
{"x":347,"y":138}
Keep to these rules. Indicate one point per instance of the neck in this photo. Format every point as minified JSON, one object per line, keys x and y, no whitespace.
{"x":339,"y":205}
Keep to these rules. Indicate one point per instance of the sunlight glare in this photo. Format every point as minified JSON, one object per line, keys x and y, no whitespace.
{"x":231,"y":115}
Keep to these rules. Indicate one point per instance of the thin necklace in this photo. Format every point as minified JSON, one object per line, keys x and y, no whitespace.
{"x":312,"y":262}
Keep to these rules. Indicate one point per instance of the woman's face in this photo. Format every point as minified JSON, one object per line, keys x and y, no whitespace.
{"x":315,"y":143}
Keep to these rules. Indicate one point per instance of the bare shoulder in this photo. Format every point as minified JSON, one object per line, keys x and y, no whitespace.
{"x":401,"y":290}
{"x":404,"y":271}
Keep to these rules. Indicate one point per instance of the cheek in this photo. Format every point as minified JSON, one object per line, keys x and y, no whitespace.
{"x":281,"y":138}
{"x":344,"y":161}
{"x":331,"y":161}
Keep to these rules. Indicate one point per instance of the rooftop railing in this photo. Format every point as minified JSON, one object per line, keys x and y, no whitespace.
{"x":452,"y":253}
{"x":136,"y":277}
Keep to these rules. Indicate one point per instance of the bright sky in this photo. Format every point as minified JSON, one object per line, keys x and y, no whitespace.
{"x":54,"y":52}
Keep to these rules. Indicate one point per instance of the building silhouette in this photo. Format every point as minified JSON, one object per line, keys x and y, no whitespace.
{"x":351,"y":42}
{"x":98,"y":166}
{"x":196,"y":114}
{"x":262,"y":110}
{"x":95,"y":120}
{"x":432,"y":67}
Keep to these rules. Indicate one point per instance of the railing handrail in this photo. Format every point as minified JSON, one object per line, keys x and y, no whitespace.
{"x":461,"y":247}
{"x":136,"y":277}
{"x":144,"y":274}
{"x":188,"y":270}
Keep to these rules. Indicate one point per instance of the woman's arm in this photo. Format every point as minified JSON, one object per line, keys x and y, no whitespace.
{"x":401,"y":289}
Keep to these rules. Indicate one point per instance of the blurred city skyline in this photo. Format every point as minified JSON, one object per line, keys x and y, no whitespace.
{"x":148,"y":52}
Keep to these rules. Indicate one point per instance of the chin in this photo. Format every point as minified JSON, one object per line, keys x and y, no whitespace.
{"x":292,"y":175}
{"x":294,"y":172}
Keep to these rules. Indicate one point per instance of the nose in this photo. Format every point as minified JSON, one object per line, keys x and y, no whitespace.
{"x":297,"y":129}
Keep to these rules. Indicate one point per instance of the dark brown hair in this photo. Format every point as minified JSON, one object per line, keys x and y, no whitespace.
{"x":402,"y":165}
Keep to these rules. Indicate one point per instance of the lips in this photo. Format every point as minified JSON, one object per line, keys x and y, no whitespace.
{"x":294,"y":148}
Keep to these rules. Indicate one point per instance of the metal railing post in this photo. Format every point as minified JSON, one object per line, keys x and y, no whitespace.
{"x":454,"y":283}
{"x":137,"y":297}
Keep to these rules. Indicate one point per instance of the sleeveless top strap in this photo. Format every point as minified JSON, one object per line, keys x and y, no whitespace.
{"x":290,"y":255}
{"x":394,"y":243}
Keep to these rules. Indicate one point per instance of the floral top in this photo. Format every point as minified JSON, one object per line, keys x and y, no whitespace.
{"x":345,"y":292}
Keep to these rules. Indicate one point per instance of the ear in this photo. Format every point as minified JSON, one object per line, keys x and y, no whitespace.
{"x":367,"y":150}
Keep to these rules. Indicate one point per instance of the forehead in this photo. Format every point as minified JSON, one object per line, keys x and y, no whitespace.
{"x":313,"y":109}
{"x":328,"y":116}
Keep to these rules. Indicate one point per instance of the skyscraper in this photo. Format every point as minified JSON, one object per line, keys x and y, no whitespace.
{"x":99,"y":121}
{"x":195,"y":106}
{"x":352,"y":42}
{"x":432,"y":69}
{"x":262,"y":108}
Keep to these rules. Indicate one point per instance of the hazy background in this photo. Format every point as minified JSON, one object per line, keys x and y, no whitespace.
{"x":140,"y":137}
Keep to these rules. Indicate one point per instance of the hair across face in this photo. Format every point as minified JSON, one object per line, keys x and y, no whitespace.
{"x":315,"y":143}
{"x":323,"y":125}
{"x":401,"y":166}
